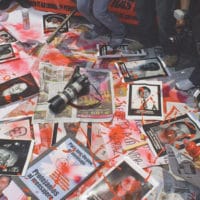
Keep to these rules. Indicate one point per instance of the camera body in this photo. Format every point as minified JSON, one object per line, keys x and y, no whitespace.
{"x":77,"y":86}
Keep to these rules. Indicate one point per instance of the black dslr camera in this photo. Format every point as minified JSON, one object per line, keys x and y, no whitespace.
{"x":77,"y":86}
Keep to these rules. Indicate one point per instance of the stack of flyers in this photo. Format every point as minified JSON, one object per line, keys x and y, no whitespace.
{"x":126,"y":180}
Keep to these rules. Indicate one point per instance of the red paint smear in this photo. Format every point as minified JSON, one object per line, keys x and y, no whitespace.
{"x":57,"y":58}
{"x":26,"y":34}
{"x":117,"y":134}
{"x":172,"y":95}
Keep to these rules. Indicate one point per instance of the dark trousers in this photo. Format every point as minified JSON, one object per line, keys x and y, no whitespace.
{"x":156,"y":21}
{"x":195,"y":76}
{"x":96,"y":12}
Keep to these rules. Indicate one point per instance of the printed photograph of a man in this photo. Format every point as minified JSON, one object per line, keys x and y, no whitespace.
{"x":4,"y":182}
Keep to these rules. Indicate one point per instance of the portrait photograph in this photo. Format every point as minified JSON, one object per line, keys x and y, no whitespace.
{"x":145,"y":101}
{"x":16,"y":129}
{"x":52,"y":21}
{"x":6,"y":37}
{"x":18,"y":89}
{"x":6,"y":52}
{"x":15,"y":156}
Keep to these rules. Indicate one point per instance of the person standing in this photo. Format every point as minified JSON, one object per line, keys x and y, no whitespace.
{"x":97,"y":13}
{"x":192,"y":7}
{"x":157,"y":25}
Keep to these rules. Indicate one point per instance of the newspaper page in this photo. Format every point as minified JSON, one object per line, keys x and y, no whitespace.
{"x":126,"y":180}
{"x":53,"y":81}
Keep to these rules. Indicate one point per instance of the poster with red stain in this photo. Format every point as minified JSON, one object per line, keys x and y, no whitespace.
{"x":59,"y":171}
{"x":172,"y":131}
{"x":43,"y":135}
{"x":126,"y":180}
{"x":121,"y":134}
{"x":18,"y":89}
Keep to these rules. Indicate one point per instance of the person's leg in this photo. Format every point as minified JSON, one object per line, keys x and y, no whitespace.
{"x":85,"y":7}
{"x":4,"y":4}
{"x":110,"y":21}
{"x":166,"y":23}
{"x":145,"y":12}
{"x":24,"y":3}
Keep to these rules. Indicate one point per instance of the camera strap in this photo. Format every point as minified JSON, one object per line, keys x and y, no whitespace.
{"x":90,"y":106}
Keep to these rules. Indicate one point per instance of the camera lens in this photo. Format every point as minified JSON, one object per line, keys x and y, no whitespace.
{"x":57,"y":104}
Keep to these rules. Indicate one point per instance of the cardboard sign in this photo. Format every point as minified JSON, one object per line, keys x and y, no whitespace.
{"x":124,"y":9}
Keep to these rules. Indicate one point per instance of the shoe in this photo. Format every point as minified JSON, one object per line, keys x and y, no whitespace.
{"x":24,"y":3}
{"x":90,"y":35}
{"x":184,"y":85}
{"x":133,"y":45}
{"x":115,"y":42}
{"x":170,"y":60}
{"x":4,"y":4}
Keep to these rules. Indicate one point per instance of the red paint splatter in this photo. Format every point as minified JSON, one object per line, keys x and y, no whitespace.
{"x":117,"y":134}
